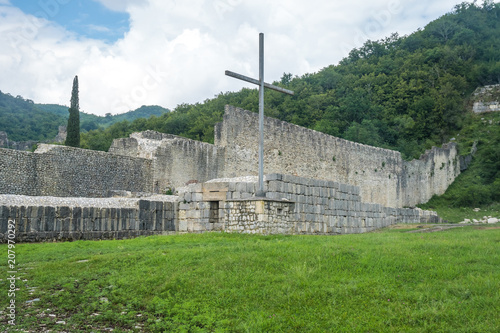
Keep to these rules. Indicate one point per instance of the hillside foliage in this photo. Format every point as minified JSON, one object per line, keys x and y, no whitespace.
{"x":404,"y":93}
{"x":24,"y":120}
{"x":90,"y":121}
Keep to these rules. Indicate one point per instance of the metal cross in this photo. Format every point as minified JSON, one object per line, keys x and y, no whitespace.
{"x":260,"y":82}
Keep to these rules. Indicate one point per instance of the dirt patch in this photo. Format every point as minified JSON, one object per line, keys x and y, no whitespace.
{"x":486,"y":228}
{"x":404,"y":226}
{"x":435,"y":228}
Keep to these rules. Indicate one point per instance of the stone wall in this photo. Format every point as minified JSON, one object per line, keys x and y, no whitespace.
{"x":260,"y":216}
{"x":481,"y":107}
{"x":487,"y":99}
{"x":17,"y":172}
{"x":293,"y":205}
{"x":381,"y":174}
{"x":176,"y":160}
{"x":431,"y":174}
{"x":77,"y":219}
{"x":156,"y":162}
{"x":65,"y":171}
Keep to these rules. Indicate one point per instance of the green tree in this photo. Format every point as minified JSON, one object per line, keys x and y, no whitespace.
{"x":73,"y":138}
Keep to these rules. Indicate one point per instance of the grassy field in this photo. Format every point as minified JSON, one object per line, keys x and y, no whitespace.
{"x":386,"y":281}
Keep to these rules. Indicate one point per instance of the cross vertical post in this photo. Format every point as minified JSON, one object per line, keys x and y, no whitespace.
{"x":260,"y":192}
{"x":262,"y":85}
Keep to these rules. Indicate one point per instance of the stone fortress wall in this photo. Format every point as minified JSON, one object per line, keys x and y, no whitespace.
{"x":175,"y":160}
{"x":319,"y":184}
{"x":382,"y":175}
{"x":61,"y":171}
{"x":293,"y":205}
{"x":155,"y":162}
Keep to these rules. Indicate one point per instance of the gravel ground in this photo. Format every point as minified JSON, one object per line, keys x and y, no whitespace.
{"x":244,"y":179}
{"x":24,"y":200}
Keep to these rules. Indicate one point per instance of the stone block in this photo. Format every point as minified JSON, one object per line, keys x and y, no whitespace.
{"x":290,"y":178}
{"x":197,"y":197}
{"x":246,"y":195}
{"x":275,"y":186}
{"x":274,"y":176}
{"x":251,"y":187}
{"x":196,"y":188}
{"x":185,"y":206}
{"x":14,"y":212}
{"x":144,"y":204}
{"x":241,"y":187}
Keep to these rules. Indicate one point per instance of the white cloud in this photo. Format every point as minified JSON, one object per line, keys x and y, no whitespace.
{"x":122,"y":5}
{"x":98,"y":28}
{"x":177,"y":51}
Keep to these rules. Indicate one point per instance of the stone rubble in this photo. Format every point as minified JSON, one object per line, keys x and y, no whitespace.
{"x":25,"y":200}
{"x":484,"y":220}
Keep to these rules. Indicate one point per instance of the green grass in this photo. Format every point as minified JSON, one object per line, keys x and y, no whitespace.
{"x":388,"y":281}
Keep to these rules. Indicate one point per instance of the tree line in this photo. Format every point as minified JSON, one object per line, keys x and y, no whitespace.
{"x":403,"y":92}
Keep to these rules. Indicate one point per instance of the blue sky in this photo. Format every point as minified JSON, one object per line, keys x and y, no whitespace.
{"x":86,"y":18}
{"x":129,"y":53}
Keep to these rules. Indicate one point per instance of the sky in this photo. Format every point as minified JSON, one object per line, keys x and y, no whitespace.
{"x":129,"y":53}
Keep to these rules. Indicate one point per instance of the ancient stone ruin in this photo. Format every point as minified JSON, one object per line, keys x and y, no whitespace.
{"x":30,"y":144}
{"x":315,"y":184}
{"x":486,"y":99}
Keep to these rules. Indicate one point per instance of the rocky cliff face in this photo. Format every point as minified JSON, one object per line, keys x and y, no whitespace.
{"x":487,"y":99}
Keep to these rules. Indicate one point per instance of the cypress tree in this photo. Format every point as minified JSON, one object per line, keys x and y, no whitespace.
{"x":73,"y":136}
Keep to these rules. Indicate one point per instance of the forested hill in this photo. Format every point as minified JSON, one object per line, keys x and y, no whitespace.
{"x":24,"y":120}
{"x":403,"y":92}
{"x":90,"y":121}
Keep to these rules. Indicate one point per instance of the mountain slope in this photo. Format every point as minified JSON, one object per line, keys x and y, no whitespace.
{"x":23,"y":121}
{"x":90,"y":121}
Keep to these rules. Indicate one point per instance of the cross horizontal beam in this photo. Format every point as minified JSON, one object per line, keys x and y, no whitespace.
{"x":257,"y":82}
